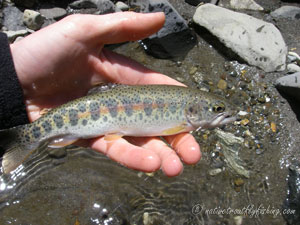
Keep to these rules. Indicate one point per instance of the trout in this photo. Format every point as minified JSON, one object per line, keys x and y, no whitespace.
{"x":116,"y":111}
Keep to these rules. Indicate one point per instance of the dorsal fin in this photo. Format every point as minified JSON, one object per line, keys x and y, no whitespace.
{"x":104,"y":87}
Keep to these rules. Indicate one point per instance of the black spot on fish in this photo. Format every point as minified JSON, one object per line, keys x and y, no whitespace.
{"x":173,"y":107}
{"x":84,"y":122}
{"x":81,"y":107}
{"x":73,"y":117}
{"x":58,"y":120}
{"x":95,"y":110}
{"x":47,"y":126}
{"x":147,"y":106}
{"x":36,"y":131}
{"x":112,"y":106}
{"x":160,"y":104}
{"x":141,"y":116}
{"x":27,"y":138}
{"x":128,"y":106}
{"x":104,"y":118}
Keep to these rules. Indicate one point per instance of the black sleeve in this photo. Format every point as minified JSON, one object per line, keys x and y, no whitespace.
{"x":12,"y":107}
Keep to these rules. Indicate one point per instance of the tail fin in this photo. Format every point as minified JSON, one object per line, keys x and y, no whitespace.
{"x":14,"y":153}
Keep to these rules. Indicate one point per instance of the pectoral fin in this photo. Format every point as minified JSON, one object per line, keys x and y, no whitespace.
{"x":62,"y":142}
{"x":175,"y":130}
{"x":112,"y":137}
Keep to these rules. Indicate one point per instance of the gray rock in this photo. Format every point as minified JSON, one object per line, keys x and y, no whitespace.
{"x":245,"y":4}
{"x":290,"y":12}
{"x":13,"y":18}
{"x":290,"y":85}
{"x":257,"y":42}
{"x":32,"y":19}
{"x":292,"y":68}
{"x":121,"y":6}
{"x":175,"y":39}
{"x":102,"y":6}
{"x":53,"y":13}
{"x":24,"y":3}
{"x":12,"y":35}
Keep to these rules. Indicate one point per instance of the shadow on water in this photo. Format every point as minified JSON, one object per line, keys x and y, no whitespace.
{"x":294,"y":102}
{"x":217,"y":44}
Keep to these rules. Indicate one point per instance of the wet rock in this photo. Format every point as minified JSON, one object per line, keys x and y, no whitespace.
{"x":175,"y":39}
{"x":32,"y":19}
{"x":12,"y":35}
{"x":245,"y":4}
{"x":231,"y":145}
{"x":292,"y":202}
{"x":24,"y":3}
{"x":197,"y":2}
{"x":293,"y":68}
{"x":13,"y":18}
{"x":53,"y":13}
{"x":290,"y":85}
{"x":121,"y":6}
{"x":290,"y":12}
{"x":257,"y":42}
{"x":102,"y":6}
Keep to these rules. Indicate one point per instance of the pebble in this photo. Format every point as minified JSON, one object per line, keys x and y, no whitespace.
{"x":193,"y":70}
{"x":293,"y":68}
{"x":222,"y":84}
{"x":273,"y":127}
{"x":53,"y":13}
{"x":245,"y":121}
{"x":290,"y":12}
{"x":32,"y":19}
{"x":259,"y":43}
{"x":239,"y":182}
{"x":121,"y":6}
{"x":214,"y":172}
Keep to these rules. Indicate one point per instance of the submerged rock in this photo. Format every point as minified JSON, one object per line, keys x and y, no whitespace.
{"x":197,"y":2}
{"x":292,"y":202}
{"x":175,"y":39}
{"x":245,"y":4}
{"x":231,"y":145}
{"x":290,"y":12}
{"x":257,"y":42}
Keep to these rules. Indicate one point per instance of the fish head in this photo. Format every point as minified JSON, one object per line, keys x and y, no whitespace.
{"x":210,"y":111}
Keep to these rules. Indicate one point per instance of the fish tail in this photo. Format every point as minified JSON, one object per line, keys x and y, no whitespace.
{"x":14,"y":153}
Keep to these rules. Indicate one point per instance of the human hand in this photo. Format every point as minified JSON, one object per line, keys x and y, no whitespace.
{"x":63,"y":61}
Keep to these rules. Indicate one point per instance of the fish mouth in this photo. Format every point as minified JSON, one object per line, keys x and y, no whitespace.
{"x":222,"y":119}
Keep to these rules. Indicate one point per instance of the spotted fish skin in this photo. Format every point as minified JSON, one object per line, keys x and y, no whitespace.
{"x":144,"y":110}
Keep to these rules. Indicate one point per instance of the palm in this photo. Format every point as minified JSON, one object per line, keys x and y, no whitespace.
{"x":63,"y":61}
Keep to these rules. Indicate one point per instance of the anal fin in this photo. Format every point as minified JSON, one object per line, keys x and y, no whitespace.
{"x":62,"y":142}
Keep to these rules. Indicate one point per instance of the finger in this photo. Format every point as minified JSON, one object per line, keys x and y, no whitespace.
{"x":120,"y":69}
{"x":127,"y":154}
{"x":186,"y":147}
{"x":116,"y":27}
{"x":170,"y":162}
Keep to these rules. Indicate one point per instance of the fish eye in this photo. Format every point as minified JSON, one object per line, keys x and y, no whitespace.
{"x":218,"y":108}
